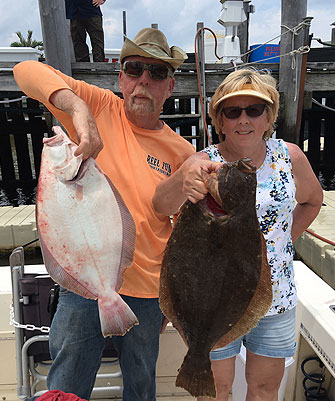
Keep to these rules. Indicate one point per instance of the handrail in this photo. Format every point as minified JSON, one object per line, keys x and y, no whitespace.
{"x":328,"y":241}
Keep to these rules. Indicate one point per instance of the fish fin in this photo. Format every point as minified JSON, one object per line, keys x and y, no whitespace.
{"x":165,"y":301}
{"x":258,"y":306}
{"x":128,"y":235}
{"x":60,"y":276}
{"x":116,"y":317}
{"x":196,"y":376}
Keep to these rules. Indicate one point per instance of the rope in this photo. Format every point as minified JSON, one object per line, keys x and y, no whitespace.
{"x":293,"y":53}
{"x":295,"y":29}
{"x":302,"y":49}
{"x":14,"y":100}
{"x":322,"y":105}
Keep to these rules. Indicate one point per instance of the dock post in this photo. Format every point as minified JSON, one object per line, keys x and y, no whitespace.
{"x":55,"y":35}
{"x":289,"y":79}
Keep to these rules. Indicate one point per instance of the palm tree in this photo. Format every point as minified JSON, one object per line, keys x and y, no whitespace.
{"x":29,"y":42}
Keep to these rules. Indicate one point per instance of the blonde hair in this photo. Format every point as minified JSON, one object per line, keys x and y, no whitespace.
{"x":262,"y":82}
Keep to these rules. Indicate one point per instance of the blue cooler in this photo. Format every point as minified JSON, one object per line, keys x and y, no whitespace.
{"x":264,"y":52}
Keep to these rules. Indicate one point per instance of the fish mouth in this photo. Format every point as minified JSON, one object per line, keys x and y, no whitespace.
{"x":211,"y":205}
{"x":213,"y":209}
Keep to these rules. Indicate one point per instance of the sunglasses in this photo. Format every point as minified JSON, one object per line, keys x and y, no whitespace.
{"x":159,"y":72}
{"x":254,"y":110}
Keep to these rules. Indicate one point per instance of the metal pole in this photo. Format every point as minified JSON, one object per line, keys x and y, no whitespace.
{"x":124,"y":16}
{"x":307,"y":20}
{"x":201,"y":62}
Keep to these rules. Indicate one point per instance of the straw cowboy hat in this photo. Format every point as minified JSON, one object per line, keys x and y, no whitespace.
{"x":150,"y":42}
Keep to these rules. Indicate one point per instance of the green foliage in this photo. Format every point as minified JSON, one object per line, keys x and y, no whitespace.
{"x":27,"y":42}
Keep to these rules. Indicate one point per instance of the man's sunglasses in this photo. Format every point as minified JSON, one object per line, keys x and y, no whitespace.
{"x":156,"y":71}
{"x":254,"y":110}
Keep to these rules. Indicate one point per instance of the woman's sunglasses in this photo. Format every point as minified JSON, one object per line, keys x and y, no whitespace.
{"x":254,"y":110}
{"x":159,"y":72}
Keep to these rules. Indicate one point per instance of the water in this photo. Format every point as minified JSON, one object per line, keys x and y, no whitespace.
{"x":327,"y":184}
{"x":11,"y":195}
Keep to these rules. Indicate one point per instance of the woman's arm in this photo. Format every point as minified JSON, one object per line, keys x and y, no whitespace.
{"x":309,"y":193}
{"x":185,"y":183}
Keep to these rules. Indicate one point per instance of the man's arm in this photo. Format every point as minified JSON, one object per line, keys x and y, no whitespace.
{"x":57,"y":92}
{"x":185,"y":183}
{"x":90,"y":143}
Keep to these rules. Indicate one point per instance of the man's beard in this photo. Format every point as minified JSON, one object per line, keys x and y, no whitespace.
{"x":143,"y":106}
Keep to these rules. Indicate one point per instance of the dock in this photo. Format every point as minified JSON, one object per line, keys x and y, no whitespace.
{"x":17,"y":226}
{"x":316,"y":253}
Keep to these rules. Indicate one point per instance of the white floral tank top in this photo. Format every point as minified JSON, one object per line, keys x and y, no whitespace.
{"x":275,"y":201}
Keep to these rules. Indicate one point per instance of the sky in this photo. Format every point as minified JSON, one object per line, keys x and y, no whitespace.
{"x":176,"y":18}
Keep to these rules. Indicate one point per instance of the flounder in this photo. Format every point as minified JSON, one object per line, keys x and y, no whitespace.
{"x":86,"y":232}
{"x":215,"y":281}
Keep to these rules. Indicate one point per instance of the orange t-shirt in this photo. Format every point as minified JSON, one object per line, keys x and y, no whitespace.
{"x":135,"y":159}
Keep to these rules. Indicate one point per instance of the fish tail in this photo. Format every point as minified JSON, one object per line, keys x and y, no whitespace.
{"x":196,"y":376}
{"x":116,"y":317}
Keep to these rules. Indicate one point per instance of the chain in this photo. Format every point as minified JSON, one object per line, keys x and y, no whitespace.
{"x":30,"y":327}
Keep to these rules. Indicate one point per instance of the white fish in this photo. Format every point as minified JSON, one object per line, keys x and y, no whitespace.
{"x":86,"y":232}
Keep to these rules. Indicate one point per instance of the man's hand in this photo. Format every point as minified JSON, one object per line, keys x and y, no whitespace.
{"x":186,"y":183}
{"x":98,"y":3}
{"x":90,"y":143}
{"x":194,"y":186}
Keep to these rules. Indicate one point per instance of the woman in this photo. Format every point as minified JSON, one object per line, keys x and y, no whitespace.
{"x":243,"y":111}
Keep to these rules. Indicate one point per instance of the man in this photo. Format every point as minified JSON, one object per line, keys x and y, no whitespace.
{"x":86,"y":17}
{"x":139,"y":151}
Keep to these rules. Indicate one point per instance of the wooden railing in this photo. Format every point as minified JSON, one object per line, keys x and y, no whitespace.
{"x":24,"y":124}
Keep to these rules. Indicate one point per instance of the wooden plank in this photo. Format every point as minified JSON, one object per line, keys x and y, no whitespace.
{"x":4,"y":210}
{"x":328,"y":165}
{"x":20,"y":214}
{"x":6,"y":157}
{"x":176,"y":116}
{"x":320,"y":81}
{"x":38,"y":128}
{"x":31,"y":216}
{"x":10,"y":214}
{"x":313,"y":153}
{"x":18,"y":127}
{"x":13,"y":231}
{"x":186,"y":85}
